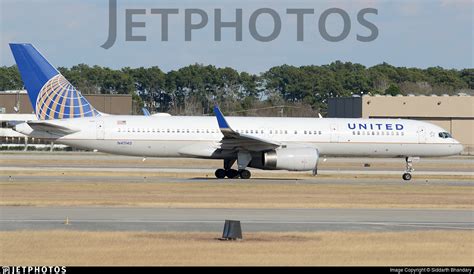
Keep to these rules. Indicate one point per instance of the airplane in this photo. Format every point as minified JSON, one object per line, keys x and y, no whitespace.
{"x":269,"y":143}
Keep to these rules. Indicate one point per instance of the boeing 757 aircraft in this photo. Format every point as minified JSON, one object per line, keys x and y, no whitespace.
{"x":294,"y":144}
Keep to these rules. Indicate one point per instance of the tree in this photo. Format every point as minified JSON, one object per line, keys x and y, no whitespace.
{"x":392,"y":90}
{"x":195,"y":88}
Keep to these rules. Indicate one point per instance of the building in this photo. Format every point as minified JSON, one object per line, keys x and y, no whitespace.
{"x":453,"y":113}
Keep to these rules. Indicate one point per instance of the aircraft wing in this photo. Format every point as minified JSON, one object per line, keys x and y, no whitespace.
{"x":50,"y":128}
{"x":237,"y":141}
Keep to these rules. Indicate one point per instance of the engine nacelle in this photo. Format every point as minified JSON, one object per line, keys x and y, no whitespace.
{"x":293,"y":159}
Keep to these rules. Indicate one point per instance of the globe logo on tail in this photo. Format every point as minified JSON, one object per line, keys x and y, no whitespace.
{"x":58,"y":99}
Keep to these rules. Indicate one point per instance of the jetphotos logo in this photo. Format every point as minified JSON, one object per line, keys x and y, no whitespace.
{"x":33,"y":270}
{"x":197,"y":20}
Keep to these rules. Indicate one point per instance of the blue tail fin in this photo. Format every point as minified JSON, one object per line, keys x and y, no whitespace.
{"x":51,"y":95}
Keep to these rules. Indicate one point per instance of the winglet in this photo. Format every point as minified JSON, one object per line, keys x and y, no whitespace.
{"x":220,"y":118}
{"x":226,"y":130}
{"x":146,"y":112}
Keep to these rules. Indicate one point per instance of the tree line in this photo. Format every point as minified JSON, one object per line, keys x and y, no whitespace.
{"x":282,"y":90}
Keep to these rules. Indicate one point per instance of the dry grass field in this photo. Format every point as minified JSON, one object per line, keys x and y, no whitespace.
{"x":434,"y":248}
{"x":236,"y":195}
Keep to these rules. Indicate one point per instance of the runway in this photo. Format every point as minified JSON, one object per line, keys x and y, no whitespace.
{"x":91,"y":161}
{"x":145,"y":178}
{"x":212,"y":220}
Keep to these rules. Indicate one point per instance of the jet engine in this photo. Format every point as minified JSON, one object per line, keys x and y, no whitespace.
{"x":293,"y":159}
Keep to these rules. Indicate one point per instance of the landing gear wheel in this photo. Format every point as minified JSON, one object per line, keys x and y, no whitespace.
{"x":245,"y":174}
{"x":231,"y":173}
{"x":406,"y":176}
{"x":220,"y":173}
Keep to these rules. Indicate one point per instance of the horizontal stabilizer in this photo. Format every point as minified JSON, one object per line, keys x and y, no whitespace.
{"x":51,"y":128}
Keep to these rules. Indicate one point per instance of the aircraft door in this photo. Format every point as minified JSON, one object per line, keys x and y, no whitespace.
{"x":266,"y":132}
{"x":422,"y":137}
{"x":100,"y":130}
{"x":334,"y":134}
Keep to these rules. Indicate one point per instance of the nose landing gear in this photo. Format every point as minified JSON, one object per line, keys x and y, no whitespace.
{"x":406,"y":176}
{"x":409,"y":167}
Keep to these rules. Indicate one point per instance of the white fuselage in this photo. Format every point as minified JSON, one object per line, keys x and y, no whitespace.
{"x":189,"y":136}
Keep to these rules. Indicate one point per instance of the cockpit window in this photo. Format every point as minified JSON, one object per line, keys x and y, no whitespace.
{"x":444,"y":135}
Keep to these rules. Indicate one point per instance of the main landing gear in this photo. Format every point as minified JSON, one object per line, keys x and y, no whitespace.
{"x":232,"y":174}
{"x":409,"y":168}
{"x":243,"y":159}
